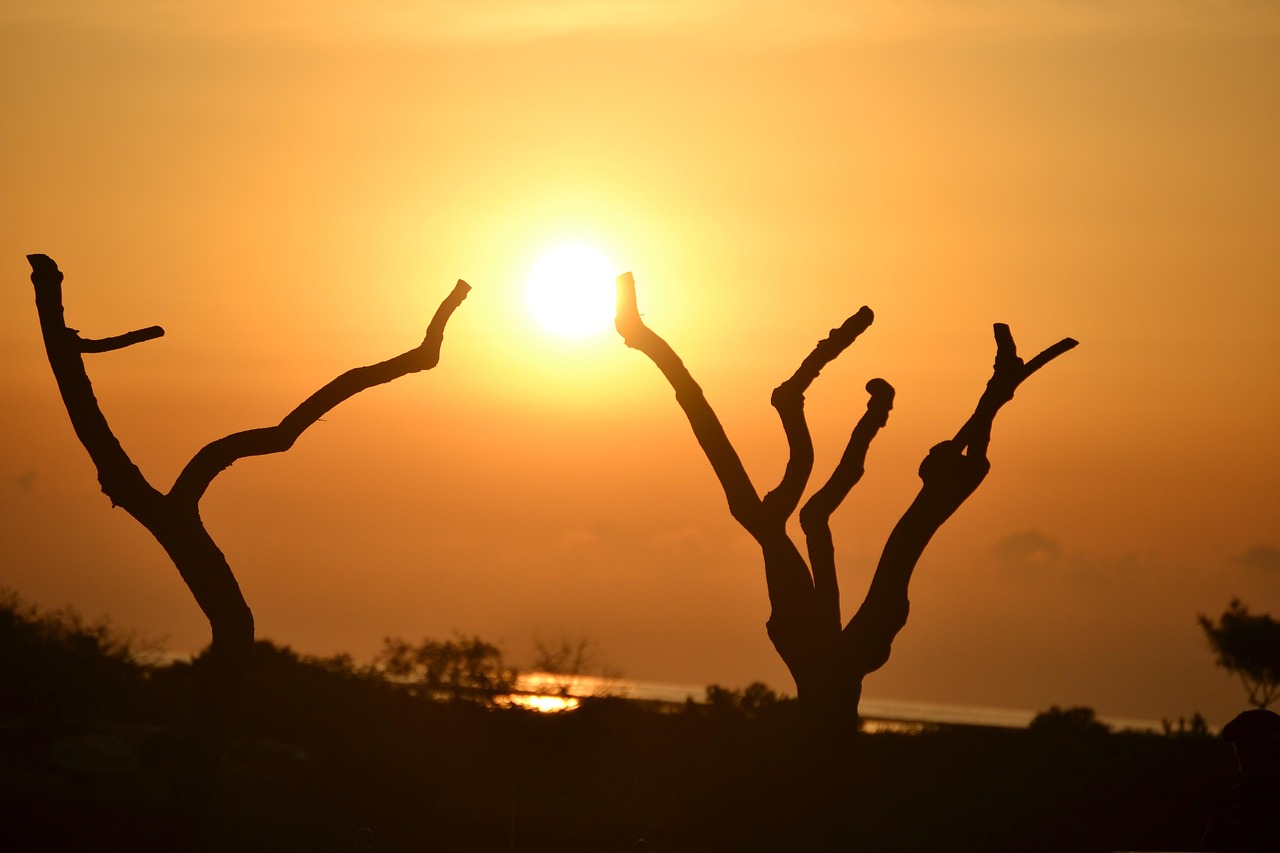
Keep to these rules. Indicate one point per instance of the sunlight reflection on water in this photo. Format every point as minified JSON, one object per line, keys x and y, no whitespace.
{"x":549,"y":692}
{"x":541,"y":702}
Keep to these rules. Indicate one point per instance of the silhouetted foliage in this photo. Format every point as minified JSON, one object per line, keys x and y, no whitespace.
{"x":828,"y":658}
{"x":1247,"y":646}
{"x":461,"y":668}
{"x":1197,"y":726}
{"x":565,"y":656}
{"x":568,"y":666}
{"x":1077,"y":720}
{"x":322,"y":748}
{"x":748,"y":702}
{"x":56,"y":665}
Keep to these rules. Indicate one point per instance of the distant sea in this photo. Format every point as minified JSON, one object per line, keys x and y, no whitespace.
{"x":877,"y":714}
{"x":895,"y":712}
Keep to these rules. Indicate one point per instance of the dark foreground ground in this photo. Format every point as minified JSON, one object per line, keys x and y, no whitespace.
{"x":321,"y":752}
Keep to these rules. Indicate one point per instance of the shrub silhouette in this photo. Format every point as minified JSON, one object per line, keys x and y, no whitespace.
{"x":461,"y":668}
{"x":1077,"y":720}
{"x":57,"y":666}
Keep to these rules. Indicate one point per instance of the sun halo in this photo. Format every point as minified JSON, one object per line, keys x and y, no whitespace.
{"x":570,"y":290}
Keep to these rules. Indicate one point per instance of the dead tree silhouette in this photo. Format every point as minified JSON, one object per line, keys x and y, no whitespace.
{"x":828,"y":660}
{"x":173,"y":517}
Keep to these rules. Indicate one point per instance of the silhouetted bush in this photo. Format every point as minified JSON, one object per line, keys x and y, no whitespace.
{"x":56,"y":665}
{"x":1196,"y":727}
{"x":749,"y":702}
{"x":324,"y":747}
{"x":1068,"y":721}
{"x":461,"y":668}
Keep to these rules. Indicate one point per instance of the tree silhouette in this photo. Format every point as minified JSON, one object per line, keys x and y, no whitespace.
{"x":461,"y":668}
{"x":1249,"y":647}
{"x":560,"y":665}
{"x":173,"y":517}
{"x":1074,"y":721}
{"x":829,"y":660}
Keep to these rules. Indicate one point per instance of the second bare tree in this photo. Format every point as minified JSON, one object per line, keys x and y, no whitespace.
{"x":829,"y":658}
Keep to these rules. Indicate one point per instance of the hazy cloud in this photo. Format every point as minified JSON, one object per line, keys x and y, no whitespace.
{"x":577,"y":539}
{"x":1028,"y":548}
{"x":25,"y":481}
{"x":685,"y":540}
{"x":1264,"y":558}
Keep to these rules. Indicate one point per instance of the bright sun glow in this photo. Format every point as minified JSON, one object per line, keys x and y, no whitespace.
{"x":570,"y":290}
{"x":544,"y":704}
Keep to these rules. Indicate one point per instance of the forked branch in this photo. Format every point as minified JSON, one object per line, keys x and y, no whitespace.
{"x":788,"y":399}
{"x":1007,"y":374}
{"x":815,"y":517}
{"x":950,"y":473}
{"x":827,"y":660}
{"x":120,"y":479}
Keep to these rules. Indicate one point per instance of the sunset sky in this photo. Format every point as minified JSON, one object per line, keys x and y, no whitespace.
{"x":290,"y":189}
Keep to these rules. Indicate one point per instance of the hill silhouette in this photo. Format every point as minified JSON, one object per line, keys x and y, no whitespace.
{"x":326,"y":752}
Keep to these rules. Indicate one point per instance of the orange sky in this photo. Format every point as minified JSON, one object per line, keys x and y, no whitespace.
{"x":291,"y":192}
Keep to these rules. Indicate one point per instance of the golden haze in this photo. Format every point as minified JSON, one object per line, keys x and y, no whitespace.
{"x":291,"y":198}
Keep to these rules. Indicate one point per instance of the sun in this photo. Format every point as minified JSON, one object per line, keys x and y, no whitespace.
{"x":570,"y":290}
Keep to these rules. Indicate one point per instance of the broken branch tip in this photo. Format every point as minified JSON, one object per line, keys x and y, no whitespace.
{"x":42,"y":265}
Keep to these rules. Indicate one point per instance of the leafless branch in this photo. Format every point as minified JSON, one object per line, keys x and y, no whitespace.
{"x":219,"y":455}
{"x":128,"y":339}
{"x":788,"y":399}
{"x":120,"y":479}
{"x":951,"y":472}
{"x":815,"y":517}
{"x":744,"y":502}
{"x":1007,"y":374}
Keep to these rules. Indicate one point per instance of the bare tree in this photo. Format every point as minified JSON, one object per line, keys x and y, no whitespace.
{"x":562,"y":666}
{"x":828,"y":659}
{"x":173,"y":517}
